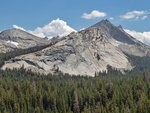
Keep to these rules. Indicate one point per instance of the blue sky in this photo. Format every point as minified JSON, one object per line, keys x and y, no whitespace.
{"x":60,"y":17}
{"x":30,"y":14}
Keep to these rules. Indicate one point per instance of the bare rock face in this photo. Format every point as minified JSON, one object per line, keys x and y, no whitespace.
{"x":84,"y":53}
{"x":114,"y":32}
{"x":123,"y":40}
{"x":18,"y":39}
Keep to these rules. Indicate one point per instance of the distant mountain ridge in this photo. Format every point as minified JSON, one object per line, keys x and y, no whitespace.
{"x":19,"y":39}
{"x":86,"y":52}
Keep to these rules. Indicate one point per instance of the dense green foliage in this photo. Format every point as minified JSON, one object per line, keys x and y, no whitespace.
{"x":22,"y":91}
{"x":141,"y":64}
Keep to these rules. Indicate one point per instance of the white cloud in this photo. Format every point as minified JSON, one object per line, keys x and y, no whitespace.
{"x":141,"y":36}
{"x":144,"y":17}
{"x":111,"y":18}
{"x":82,"y":29}
{"x":135,"y":15}
{"x":94,"y":14}
{"x":54,"y":28}
{"x":17,"y":27}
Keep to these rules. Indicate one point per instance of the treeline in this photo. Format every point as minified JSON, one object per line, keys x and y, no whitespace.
{"x":17,"y":52}
{"x":22,"y":91}
{"x":6,"y":56}
{"x":141,"y":64}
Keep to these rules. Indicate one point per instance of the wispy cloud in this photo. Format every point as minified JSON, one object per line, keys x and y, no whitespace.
{"x":137,"y":15}
{"x":94,"y":14}
{"x":141,"y":36}
{"x":144,"y":17}
{"x":82,"y":29}
{"x":17,"y":27}
{"x":56,"y":27}
{"x":111,"y":18}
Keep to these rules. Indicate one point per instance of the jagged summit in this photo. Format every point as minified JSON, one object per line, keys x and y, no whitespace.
{"x":114,"y":32}
{"x":120,"y":27}
{"x":103,"y":23}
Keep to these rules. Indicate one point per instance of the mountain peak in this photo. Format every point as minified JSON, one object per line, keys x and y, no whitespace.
{"x":114,"y":32}
{"x":102,"y":23}
{"x":120,"y":27}
{"x":105,"y":21}
{"x":23,"y":39}
{"x":12,"y":30}
{"x":14,"y":33}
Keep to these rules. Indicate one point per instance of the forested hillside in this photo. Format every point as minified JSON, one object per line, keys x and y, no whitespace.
{"x":22,"y":91}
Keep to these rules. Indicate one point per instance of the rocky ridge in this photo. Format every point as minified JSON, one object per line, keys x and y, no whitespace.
{"x":85,"y":53}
